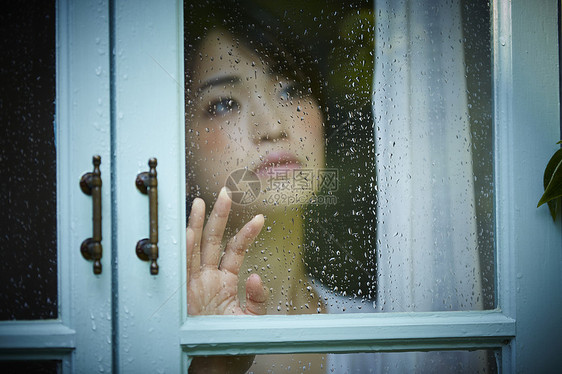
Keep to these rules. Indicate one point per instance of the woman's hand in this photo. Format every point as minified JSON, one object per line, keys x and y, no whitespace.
{"x":212,"y":281}
{"x":212,"y":278}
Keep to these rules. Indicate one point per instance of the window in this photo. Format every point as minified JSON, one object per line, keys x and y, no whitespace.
{"x":120,"y":94}
{"x":208,"y":336}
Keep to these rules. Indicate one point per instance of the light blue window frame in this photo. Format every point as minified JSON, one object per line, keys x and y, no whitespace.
{"x":80,"y":337}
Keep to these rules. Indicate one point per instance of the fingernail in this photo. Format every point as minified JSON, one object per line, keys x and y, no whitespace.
{"x":224,"y":191}
{"x":198,"y":201}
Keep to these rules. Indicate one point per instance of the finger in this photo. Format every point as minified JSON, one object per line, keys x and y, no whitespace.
{"x":236,"y":247}
{"x":189,"y":244}
{"x":195,"y":225}
{"x":214,"y":230}
{"x":256,"y":295}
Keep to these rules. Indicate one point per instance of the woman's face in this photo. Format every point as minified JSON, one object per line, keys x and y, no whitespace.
{"x":246,"y":121}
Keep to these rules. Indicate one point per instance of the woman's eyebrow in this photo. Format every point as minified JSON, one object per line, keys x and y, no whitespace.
{"x":218,"y":81}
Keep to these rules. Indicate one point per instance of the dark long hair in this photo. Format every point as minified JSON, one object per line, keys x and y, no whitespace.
{"x":258,"y":30}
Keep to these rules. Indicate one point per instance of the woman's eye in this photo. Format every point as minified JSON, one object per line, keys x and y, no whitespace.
{"x":289,"y":91}
{"x":292,"y":90}
{"x":222,"y":106}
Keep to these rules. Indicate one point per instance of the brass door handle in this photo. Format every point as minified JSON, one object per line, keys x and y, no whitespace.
{"x":90,"y":183}
{"x":147,"y":249}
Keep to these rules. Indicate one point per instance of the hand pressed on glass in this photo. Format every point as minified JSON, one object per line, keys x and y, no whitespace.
{"x":212,"y":277}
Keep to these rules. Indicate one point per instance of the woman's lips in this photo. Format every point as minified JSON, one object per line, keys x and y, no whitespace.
{"x":276,"y":162}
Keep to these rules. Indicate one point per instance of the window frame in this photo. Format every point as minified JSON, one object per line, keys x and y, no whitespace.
{"x":519,"y":48}
{"x":81,"y":131}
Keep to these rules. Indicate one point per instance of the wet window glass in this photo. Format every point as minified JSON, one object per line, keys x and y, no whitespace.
{"x":31,"y":366}
{"x":28,"y":271}
{"x":338,"y":156}
{"x":433,"y":135}
{"x":480,"y":361}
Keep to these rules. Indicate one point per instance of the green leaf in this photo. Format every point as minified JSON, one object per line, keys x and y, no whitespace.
{"x":552,"y":183}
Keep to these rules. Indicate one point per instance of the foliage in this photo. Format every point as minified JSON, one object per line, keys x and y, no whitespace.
{"x":553,"y":184}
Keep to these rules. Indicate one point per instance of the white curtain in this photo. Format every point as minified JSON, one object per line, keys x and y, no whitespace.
{"x":427,"y":241}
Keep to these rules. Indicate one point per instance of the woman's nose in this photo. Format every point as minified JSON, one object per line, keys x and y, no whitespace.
{"x":269,"y":121}
{"x":272,"y":132}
